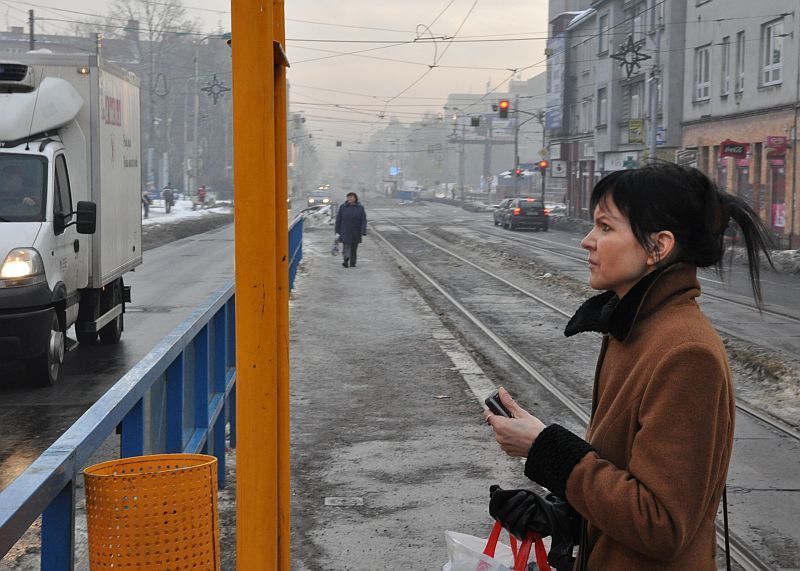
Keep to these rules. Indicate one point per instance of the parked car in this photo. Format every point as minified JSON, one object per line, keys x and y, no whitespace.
{"x":526,"y":213}
{"x":500,"y":211}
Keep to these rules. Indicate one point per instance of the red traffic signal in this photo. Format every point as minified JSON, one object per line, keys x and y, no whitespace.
{"x":518,"y":171}
{"x":502,"y":108}
{"x":543,"y":165}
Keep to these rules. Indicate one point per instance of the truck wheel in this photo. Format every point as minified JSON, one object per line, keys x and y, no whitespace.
{"x":110,"y":333}
{"x":44,"y":369}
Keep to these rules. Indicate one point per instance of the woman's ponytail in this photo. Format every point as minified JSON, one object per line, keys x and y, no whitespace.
{"x":756,"y":237}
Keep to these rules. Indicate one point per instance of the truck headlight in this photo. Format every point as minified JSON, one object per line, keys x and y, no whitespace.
{"x":22,"y":266}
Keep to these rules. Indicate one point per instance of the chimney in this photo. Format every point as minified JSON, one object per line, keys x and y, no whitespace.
{"x":132,"y":31}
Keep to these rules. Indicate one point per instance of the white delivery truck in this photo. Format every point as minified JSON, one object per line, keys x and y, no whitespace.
{"x":70,"y":204}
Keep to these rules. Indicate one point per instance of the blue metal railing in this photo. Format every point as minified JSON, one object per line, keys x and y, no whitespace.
{"x":178,"y":398}
{"x":295,"y":247}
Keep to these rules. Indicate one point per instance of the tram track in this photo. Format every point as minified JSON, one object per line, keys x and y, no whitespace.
{"x":740,"y":552}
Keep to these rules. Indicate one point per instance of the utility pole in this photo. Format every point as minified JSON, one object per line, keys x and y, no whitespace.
{"x":655,"y":82}
{"x":516,"y":145}
{"x":195,"y":137}
{"x":32,"y":40}
{"x":461,"y":163}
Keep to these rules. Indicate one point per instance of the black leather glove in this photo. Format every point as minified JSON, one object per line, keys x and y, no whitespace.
{"x":522,"y":511}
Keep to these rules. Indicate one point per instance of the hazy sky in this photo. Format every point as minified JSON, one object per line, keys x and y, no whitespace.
{"x":372,"y":84}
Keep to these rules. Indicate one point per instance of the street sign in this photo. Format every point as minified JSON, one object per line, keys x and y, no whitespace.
{"x":544,"y":153}
{"x":558,"y":169}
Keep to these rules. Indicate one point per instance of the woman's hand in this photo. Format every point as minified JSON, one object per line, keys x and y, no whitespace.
{"x":514,"y":435}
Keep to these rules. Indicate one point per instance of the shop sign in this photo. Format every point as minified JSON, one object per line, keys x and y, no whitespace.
{"x":558,"y":169}
{"x":619,"y":161}
{"x":686,"y":158}
{"x":636,"y":131}
{"x":779,"y":215}
{"x":776,"y":146}
{"x":728,"y":148}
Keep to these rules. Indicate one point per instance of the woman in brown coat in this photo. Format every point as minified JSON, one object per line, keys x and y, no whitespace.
{"x":646,"y":481}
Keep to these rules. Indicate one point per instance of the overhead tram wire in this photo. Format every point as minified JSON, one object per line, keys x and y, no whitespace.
{"x":438,"y":59}
{"x":488,"y":37}
{"x":359,"y":52}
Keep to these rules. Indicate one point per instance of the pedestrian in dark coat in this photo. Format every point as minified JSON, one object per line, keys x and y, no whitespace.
{"x":351,"y":225}
{"x":647,"y":479}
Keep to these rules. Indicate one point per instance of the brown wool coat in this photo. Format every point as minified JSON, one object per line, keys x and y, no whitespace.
{"x":663,"y":432}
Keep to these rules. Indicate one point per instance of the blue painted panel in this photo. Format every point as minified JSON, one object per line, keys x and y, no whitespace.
{"x":132,"y":440}
{"x":58,"y":532}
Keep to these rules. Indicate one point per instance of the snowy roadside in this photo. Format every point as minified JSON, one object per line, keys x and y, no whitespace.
{"x":160,"y":228}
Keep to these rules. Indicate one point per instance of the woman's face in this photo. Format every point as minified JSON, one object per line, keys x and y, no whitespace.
{"x":616,"y":259}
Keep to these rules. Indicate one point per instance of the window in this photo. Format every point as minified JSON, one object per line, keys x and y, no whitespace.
{"x":740,"y":47}
{"x":657,"y":13}
{"x":585,"y":123}
{"x":638,"y":15}
{"x":602,"y":106}
{"x":771,"y":52}
{"x":602,"y":34}
{"x":63,"y":196}
{"x":586,"y":56}
{"x":725,"y":68}
{"x":632,"y":97}
{"x":702,"y":79}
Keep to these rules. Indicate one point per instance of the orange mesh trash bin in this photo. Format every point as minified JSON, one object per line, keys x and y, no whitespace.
{"x":154,"y":512}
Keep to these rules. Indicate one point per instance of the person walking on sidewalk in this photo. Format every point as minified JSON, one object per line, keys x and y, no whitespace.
{"x":646,"y":481}
{"x":351,"y":225}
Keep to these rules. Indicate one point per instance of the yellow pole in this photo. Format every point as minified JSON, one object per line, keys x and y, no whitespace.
{"x":261,"y":297}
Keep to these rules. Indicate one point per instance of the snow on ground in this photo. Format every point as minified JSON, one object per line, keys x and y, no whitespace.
{"x":181,"y":211}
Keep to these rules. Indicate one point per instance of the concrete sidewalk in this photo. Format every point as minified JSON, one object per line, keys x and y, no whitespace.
{"x":388,"y":445}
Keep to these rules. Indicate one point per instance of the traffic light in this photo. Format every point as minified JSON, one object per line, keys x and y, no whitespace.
{"x":518,"y":171}
{"x":502,"y":108}
{"x":543,"y":165}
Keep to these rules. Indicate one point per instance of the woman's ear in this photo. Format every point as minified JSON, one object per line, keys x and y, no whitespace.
{"x":663,"y":245}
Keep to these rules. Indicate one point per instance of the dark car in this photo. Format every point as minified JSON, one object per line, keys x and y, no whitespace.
{"x":526,"y":213}
{"x":500,"y":211}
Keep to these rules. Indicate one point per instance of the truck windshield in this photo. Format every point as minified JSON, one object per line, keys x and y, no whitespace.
{"x":23,"y":186}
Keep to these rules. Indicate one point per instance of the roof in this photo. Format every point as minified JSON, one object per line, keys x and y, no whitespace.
{"x":580,"y":17}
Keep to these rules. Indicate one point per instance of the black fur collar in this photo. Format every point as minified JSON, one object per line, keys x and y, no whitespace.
{"x":607,"y":313}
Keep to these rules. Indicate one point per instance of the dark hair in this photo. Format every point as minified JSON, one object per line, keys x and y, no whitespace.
{"x":666,"y":196}
{"x":352,"y":194}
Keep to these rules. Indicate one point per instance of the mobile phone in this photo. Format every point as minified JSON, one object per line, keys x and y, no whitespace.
{"x":497,"y":407}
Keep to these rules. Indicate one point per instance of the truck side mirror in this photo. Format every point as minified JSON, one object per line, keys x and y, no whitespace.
{"x":87,"y":217}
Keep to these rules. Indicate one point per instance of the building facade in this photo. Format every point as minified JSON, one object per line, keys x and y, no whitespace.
{"x":741,"y":103}
{"x":602,"y":114}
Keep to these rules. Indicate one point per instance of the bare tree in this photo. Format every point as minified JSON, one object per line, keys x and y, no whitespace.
{"x":161,"y":27}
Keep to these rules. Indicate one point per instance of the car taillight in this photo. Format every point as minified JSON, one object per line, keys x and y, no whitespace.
{"x":546,"y":212}
{"x":517,"y":211}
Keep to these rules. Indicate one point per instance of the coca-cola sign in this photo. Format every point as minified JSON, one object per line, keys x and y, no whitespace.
{"x":728,"y":148}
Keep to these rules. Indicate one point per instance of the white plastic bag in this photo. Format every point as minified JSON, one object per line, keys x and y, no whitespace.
{"x":465,"y":553}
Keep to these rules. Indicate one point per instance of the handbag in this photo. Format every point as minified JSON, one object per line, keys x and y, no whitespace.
{"x":470,"y":553}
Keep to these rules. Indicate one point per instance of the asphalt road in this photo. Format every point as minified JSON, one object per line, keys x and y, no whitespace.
{"x":172,"y":281}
